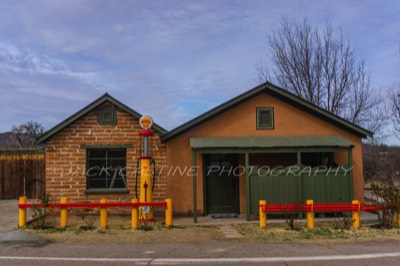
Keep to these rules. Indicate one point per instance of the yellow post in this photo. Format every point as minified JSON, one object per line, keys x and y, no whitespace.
{"x":168,"y":213}
{"x":310,"y":215}
{"x":146,"y":184}
{"x":103,"y":214}
{"x":22,"y":213}
{"x":64,"y":214}
{"x":398,"y":218}
{"x":355,"y":215}
{"x":263,"y":215}
{"x":135,"y":215}
{"x":398,"y":213}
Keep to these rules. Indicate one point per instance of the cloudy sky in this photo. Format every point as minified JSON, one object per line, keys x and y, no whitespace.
{"x":171,"y":59}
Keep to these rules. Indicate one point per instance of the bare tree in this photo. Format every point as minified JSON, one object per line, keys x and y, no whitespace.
{"x":25,"y":135}
{"x":394,"y":98}
{"x":323,"y":69}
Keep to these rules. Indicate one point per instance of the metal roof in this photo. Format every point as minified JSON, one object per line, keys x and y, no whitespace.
{"x":261,"y":142}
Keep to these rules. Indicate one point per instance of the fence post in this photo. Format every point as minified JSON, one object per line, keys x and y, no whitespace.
{"x":64,"y":214}
{"x":310,"y":215}
{"x":398,"y":213}
{"x":262,"y":214}
{"x":22,"y":213}
{"x":168,"y":213}
{"x":355,"y":215}
{"x":103,"y":214}
{"x":135,"y":215}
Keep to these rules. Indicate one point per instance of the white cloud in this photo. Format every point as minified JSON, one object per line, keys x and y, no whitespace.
{"x":185,"y":56}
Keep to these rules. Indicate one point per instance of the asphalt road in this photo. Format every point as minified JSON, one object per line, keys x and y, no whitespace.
{"x":211,"y":253}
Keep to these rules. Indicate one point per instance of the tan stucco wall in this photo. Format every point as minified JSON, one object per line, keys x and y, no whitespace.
{"x":241,"y":121}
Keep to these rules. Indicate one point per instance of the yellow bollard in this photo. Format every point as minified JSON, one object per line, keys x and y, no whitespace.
{"x":398,"y":213}
{"x":103,"y":214}
{"x":263,"y":215}
{"x":64,"y":214}
{"x":168,"y":213}
{"x":135,"y":215}
{"x":398,"y":218}
{"x":310,"y":215}
{"x":355,"y":215}
{"x":22,"y":213}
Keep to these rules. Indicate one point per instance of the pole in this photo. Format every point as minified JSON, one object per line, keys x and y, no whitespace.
{"x":64,"y":214}
{"x":168,"y":213}
{"x":22,"y":213}
{"x":310,"y":215}
{"x":135,"y":215}
{"x":355,"y":215}
{"x":262,"y":213}
{"x":103,"y":214}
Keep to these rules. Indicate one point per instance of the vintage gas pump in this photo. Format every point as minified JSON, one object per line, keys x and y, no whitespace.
{"x":146,"y":182}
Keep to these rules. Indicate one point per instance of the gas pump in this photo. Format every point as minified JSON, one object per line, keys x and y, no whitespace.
{"x":145,"y":160}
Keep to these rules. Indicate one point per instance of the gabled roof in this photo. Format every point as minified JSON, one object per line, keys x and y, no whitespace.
{"x":105,"y":98}
{"x":278,"y":93}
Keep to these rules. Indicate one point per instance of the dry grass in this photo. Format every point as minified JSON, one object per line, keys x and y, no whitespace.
{"x":119,"y":231}
{"x":323,"y":233}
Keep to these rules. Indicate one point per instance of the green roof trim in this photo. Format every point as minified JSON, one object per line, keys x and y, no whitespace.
{"x":105,"y":98}
{"x":280,"y":94}
{"x":273,"y":142}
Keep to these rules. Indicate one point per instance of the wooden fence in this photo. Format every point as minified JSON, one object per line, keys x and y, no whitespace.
{"x":22,"y":173}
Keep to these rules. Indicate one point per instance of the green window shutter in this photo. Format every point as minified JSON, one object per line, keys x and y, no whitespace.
{"x":265,"y":118}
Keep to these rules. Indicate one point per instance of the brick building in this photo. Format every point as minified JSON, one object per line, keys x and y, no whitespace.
{"x":94,"y":154}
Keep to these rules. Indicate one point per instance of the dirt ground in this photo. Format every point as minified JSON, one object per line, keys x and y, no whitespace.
{"x":119,"y":231}
{"x":8,"y":214}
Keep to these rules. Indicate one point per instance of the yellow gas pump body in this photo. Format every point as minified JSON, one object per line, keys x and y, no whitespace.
{"x":146,"y":185}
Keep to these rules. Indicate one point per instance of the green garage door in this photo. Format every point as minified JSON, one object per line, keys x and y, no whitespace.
{"x":292,"y":187}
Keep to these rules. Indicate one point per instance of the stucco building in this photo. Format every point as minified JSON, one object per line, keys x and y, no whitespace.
{"x":264,"y":144}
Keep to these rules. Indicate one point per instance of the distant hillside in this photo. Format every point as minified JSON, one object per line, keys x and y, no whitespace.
{"x":3,"y":139}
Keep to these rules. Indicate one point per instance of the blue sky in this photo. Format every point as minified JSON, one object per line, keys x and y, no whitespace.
{"x":171,"y":59}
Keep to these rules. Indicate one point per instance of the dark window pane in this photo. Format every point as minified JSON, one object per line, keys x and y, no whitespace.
{"x":116,"y":154}
{"x":265,"y":118}
{"x":97,"y":153}
{"x":106,"y":168}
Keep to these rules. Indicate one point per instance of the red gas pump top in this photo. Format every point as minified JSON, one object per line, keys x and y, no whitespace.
{"x":146,"y":132}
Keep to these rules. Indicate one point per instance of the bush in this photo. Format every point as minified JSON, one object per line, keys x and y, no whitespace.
{"x":40,"y":214}
{"x":88,"y":217}
{"x":386,"y":194}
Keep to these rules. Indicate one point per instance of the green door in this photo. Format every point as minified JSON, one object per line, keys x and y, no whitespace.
{"x":222,"y":185}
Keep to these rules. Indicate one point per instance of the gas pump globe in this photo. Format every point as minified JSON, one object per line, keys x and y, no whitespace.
{"x":145,"y":122}
{"x":146,"y":183}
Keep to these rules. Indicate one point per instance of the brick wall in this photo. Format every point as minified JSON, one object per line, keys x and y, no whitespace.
{"x":66,"y":159}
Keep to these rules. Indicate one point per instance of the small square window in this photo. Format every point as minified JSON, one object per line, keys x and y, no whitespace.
{"x":265,"y":118}
{"x":108,"y":117}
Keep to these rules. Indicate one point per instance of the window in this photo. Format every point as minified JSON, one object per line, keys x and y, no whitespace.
{"x":265,"y":118}
{"x":108,"y":117}
{"x":315,"y":159}
{"x":106,"y":169}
